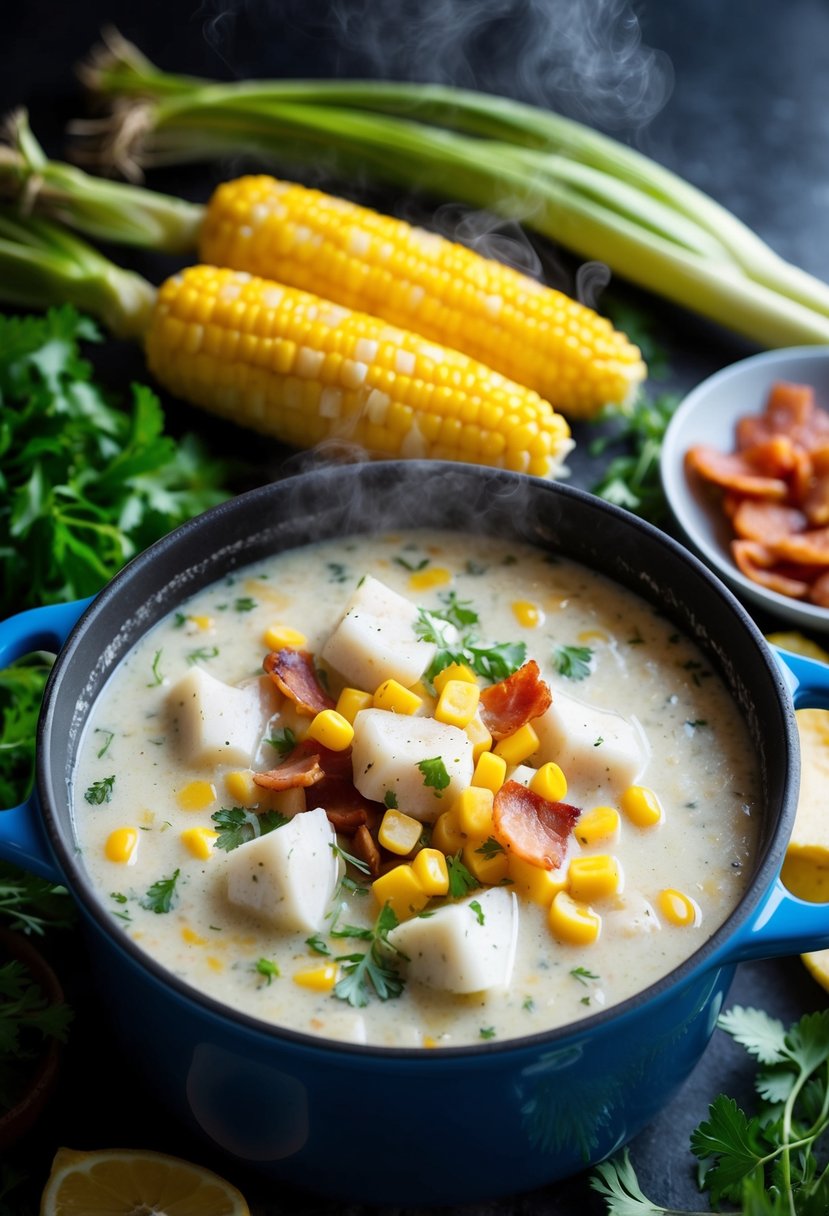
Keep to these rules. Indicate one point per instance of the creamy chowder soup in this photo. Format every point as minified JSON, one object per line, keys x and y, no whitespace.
{"x":425,"y":789}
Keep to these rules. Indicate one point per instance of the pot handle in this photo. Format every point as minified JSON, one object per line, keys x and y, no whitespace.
{"x":22,"y":839}
{"x":785,"y":924}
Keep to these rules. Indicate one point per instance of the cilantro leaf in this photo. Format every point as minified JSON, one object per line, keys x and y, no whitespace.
{"x":237,"y":825}
{"x":434,"y":774}
{"x":284,"y":741}
{"x":161,"y":896}
{"x":493,"y":663}
{"x":86,"y":484}
{"x":267,"y":968}
{"x":632,"y":479}
{"x":100,"y":791}
{"x":21,"y":691}
{"x":573,"y":662}
{"x":616,"y":1182}
{"x":490,"y":848}
{"x":371,"y":972}
{"x":761,"y":1035}
{"x":733,"y":1141}
{"x":461,"y":880}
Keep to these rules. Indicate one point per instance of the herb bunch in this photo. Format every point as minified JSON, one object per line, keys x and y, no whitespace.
{"x":771,"y":1163}
{"x":459,"y":643}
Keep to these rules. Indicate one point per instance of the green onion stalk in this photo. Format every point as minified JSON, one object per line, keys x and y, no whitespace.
{"x":586,"y":191}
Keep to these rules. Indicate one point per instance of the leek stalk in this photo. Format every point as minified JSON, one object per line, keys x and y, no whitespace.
{"x":575,"y":186}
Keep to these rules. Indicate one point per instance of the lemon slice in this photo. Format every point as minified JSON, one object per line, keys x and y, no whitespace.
{"x":109,"y":1182}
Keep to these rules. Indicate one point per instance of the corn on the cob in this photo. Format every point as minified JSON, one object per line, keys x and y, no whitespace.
{"x":305,"y":370}
{"x":418,"y":280}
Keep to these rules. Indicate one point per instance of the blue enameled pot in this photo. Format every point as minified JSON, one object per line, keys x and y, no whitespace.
{"x":535,"y":1109}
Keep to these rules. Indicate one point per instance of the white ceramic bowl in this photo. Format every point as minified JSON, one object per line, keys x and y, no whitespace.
{"x":708,"y":415}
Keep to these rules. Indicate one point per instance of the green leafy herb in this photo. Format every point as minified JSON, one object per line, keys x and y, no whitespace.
{"x":284,"y":741}
{"x":490,"y":848}
{"x":244,"y":603}
{"x":390,"y":800}
{"x":202,"y":655}
{"x":237,"y":825}
{"x":104,"y":748}
{"x":528,"y":1004}
{"x":27,"y":1017}
{"x":318,"y":944}
{"x":32,"y":904}
{"x":478,"y":910}
{"x":161,"y":896}
{"x":84,"y":484}
{"x":158,"y":677}
{"x":434,"y":774}
{"x":457,"y":612}
{"x":357,"y":862}
{"x":582,"y":974}
{"x":461,"y":880}
{"x":765,"y":1164}
{"x":100,"y":791}
{"x":632,"y":479}
{"x":266,"y":968}
{"x":337,"y":572}
{"x":487,"y":1032}
{"x":573,"y":662}
{"x":413,"y":567}
{"x":492,"y":663}
{"x":21,"y":690}
{"x":371,"y":972}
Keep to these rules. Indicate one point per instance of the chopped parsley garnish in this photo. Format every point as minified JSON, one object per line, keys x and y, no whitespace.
{"x":478,"y":910}
{"x":371,"y":973}
{"x":412,"y":567}
{"x":696,"y":722}
{"x":318,"y":944}
{"x":487,"y":1032}
{"x":528,"y":1004}
{"x":158,"y":678}
{"x":337,"y":572}
{"x":632,"y":479}
{"x":237,"y":825}
{"x":492,"y":663}
{"x":357,"y":862}
{"x":461,"y":880}
{"x":284,"y":741}
{"x":110,"y":735}
{"x":161,"y":896}
{"x":599,"y":741}
{"x":582,"y":975}
{"x":490,"y":848}
{"x":390,"y":800}
{"x":244,"y":603}
{"x":434,"y":774}
{"x":202,"y":655}
{"x":266,"y":968}
{"x":100,"y":792}
{"x":573,"y":662}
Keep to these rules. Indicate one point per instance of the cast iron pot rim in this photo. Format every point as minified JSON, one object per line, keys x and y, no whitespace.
{"x":701,"y":960}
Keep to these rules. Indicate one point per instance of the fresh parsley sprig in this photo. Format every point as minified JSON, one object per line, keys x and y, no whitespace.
{"x":237,"y":825}
{"x":494,"y":662}
{"x":632,"y":478}
{"x":773,"y":1162}
{"x":371,"y":972}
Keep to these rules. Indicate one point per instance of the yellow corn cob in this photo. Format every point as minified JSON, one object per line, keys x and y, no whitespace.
{"x":304,"y":370}
{"x":535,"y":335}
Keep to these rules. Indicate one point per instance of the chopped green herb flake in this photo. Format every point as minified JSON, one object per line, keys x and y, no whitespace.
{"x":490,"y":848}
{"x":412,"y":566}
{"x":582,"y":975}
{"x":202,"y":655}
{"x":158,"y":678}
{"x":109,"y":736}
{"x":284,"y":741}
{"x":461,"y":880}
{"x":244,"y":603}
{"x":266,"y":968}
{"x":317,"y":944}
{"x":371,"y":972}
{"x":478,"y":910}
{"x":161,"y":896}
{"x":487,"y":1032}
{"x":434,"y":774}
{"x":390,"y":800}
{"x":236,"y":825}
{"x":573,"y":662}
{"x":100,"y":791}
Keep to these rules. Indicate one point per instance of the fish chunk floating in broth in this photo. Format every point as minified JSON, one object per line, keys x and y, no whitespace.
{"x":422,"y":789}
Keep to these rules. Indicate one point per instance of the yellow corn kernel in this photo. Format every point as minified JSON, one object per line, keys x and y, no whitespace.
{"x":196,"y":795}
{"x":399,"y":833}
{"x":192,"y":937}
{"x":393,"y":696}
{"x":215,"y":964}
{"x":199,"y":841}
{"x":597,"y":826}
{"x":283,"y":637}
{"x":446,"y":834}
{"x":473,"y":812}
{"x":122,"y":845}
{"x":573,"y":923}
{"x":432,"y":576}
{"x":332,"y":730}
{"x":537,"y":336}
{"x":549,"y":782}
{"x":539,"y":885}
{"x":454,"y":671}
{"x":457,"y":703}
{"x":518,"y":746}
{"x":401,"y":890}
{"x":202,"y":622}
{"x":678,"y":908}
{"x":478,"y":736}
{"x":431,"y":871}
{"x":351,"y":701}
{"x":318,"y":979}
{"x":490,"y":772}
{"x":594,"y":877}
{"x":527,"y":614}
{"x":242,"y":788}
{"x":488,"y":867}
{"x":641,"y":806}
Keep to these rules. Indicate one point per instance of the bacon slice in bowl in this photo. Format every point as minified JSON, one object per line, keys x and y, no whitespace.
{"x":532,"y":828}
{"x":511,"y":703}
{"x":295,"y":675}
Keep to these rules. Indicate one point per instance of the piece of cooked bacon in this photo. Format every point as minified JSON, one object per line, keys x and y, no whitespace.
{"x":364,"y":846}
{"x":531,"y":827}
{"x":297,"y":772}
{"x":515,"y":701}
{"x":295,"y":675}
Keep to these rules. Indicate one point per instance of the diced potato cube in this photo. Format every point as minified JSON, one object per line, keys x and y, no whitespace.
{"x":467,"y":946}
{"x":375,"y":639}
{"x":219,"y":723}
{"x":288,"y":876}
{"x":594,"y":747}
{"x":424,"y":763}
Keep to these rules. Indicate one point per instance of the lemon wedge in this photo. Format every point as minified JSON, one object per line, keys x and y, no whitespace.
{"x":132,"y":1180}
